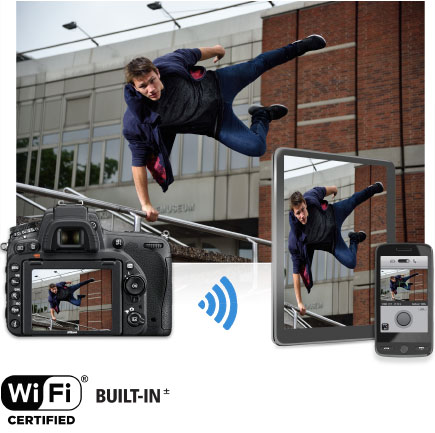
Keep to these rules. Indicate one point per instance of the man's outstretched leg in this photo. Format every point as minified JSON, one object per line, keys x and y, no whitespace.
{"x":71,"y":289}
{"x":403,"y":280}
{"x":342,"y":209}
{"x":232,"y":79}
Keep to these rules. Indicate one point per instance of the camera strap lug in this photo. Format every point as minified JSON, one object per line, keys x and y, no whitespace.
{"x":4,"y":246}
{"x":165,"y":234}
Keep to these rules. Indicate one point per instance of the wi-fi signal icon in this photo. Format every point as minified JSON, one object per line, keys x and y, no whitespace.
{"x":222,"y":307}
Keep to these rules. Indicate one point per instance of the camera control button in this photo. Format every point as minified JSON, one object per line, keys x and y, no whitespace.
{"x":15,"y":296}
{"x":15,"y":309}
{"x":403,"y":349}
{"x":118,"y":243}
{"x":15,"y":267}
{"x":403,"y":318}
{"x":135,"y":319}
{"x":20,"y":248}
{"x":135,"y":285}
{"x":34,"y":246}
{"x":15,"y":323}
{"x":129,"y":266}
{"x":15,"y":281}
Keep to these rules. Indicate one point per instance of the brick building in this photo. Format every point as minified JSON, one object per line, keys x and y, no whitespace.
{"x":361,"y":95}
{"x":96,"y":308}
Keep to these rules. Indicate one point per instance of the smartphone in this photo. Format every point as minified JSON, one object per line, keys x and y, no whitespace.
{"x":404,"y":300}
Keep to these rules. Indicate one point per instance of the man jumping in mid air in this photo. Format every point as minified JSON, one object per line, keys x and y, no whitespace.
{"x":171,"y":95}
{"x":316,"y":225}
{"x":400,"y":281}
{"x":61,"y":292}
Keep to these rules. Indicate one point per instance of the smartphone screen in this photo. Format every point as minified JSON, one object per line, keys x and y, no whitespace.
{"x":403,"y":304}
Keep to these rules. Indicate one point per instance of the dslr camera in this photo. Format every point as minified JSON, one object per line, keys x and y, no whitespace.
{"x":68,"y":276}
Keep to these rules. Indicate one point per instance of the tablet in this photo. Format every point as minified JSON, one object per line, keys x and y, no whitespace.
{"x":329,"y":213}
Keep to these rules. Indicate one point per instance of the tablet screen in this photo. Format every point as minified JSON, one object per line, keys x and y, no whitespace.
{"x":334,"y":213}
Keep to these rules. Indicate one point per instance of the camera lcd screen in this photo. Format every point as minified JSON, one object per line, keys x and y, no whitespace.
{"x":403,"y":294}
{"x":331,"y":212}
{"x":71,"y":300}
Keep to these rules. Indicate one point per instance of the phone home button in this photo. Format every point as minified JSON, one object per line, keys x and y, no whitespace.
{"x":403,"y":349}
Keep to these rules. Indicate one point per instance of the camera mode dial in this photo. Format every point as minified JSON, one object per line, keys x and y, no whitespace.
{"x":24,"y":229}
{"x":135,"y":285}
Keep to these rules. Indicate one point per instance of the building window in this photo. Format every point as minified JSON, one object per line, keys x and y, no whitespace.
{"x":175,"y":156}
{"x":21,"y":166}
{"x":111,"y":161}
{"x":96,"y":157}
{"x":78,"y":134}
{"x":238,"y":160}
{"x":47,"y":171}
{"x":22,"y":142}
{"x":222,"y":157}
{"x":190,"y":154}
{"x":50,"y":139}
{"x":127,"y":174}
{"x":66,"y":166}
{"x":208,"y":153}
{"x":103,"y":131}
{"x":33,"y":161}
{"x":82,"y":160}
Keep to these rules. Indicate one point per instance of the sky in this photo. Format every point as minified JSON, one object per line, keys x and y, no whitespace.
{"x":39,"y":24}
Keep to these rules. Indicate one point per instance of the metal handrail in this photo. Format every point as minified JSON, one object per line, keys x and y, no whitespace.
{"x":76,"y":325}
{"x":125,"y":209}
{"x":296,"y":310}
{"x":145,"y":227}
{"x":129,"y":219}
{"x":292,"y":313}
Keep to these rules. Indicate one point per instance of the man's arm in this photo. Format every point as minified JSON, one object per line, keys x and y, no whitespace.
{"x":218,"y":51}
{"x":141,"y":183}
{"x":297,"y":286}
{"x":52,"y":313}
{"x":331,"y":190}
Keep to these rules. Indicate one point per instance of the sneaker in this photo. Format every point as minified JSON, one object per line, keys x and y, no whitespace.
{"x":310,"y":43}
{"x":91,"y":280}
{"x":81,"y":296}
{"x":274,"y":112}
{"x":357,"y":237}
{"x":378,"y":187}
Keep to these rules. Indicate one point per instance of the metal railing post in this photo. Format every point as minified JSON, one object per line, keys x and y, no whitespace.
{"x":137,"y":222}
{"x":295,"y":318}
{"x":254,"y":250}
{"x":33,"y":203}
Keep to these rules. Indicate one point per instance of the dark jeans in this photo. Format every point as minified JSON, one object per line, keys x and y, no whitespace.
{"x":72,"y":289}
{"x":402,"y":281}
{"x":232,"y":79}
{"x":342,"y":209}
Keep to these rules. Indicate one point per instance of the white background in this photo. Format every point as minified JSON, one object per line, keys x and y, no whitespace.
{"x":235,"y":380}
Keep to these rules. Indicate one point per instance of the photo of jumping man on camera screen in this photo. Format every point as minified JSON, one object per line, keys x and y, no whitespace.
{"x":330,"y":213}
{"x":401,"y":285}
{"x":71,"y":299}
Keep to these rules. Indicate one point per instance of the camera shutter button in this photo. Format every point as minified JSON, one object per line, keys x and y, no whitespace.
{"x":403,"y":318}
{"x":135,"y":285}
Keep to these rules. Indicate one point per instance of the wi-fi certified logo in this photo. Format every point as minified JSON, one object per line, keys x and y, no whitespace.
{"x":41,"y":392}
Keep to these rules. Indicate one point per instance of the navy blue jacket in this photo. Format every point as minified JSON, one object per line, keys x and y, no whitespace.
{"x":141,"y":125}
{"x":52,"y":297}
{"x":301,"y":258}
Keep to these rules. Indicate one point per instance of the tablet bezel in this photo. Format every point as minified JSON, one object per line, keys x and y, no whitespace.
{"x":280,"y":335}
